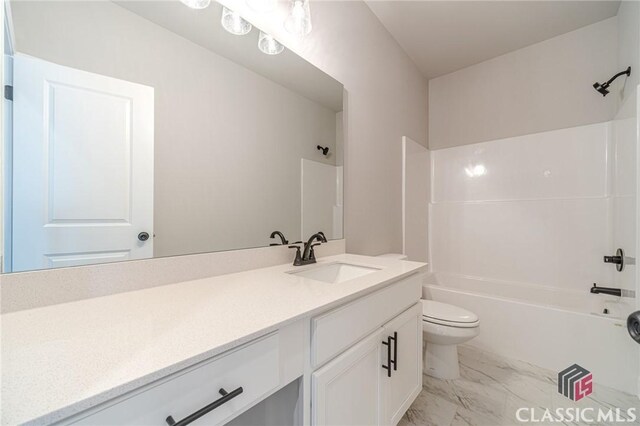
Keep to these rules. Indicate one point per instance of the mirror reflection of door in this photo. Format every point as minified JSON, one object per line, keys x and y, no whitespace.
{"x":82,"y":167}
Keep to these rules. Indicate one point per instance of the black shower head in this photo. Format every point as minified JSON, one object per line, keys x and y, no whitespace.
{"x":603,"y":88}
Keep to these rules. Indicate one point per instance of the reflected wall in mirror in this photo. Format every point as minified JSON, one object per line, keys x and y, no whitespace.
{"x":144,"y":129}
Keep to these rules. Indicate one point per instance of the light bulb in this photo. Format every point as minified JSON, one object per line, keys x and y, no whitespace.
{"x":269,"y":45}
{"x":196,"y":4}
{"x":299,"y":20}
{"x":234,"y":23}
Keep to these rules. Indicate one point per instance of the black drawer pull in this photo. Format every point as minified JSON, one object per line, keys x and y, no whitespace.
{"x":389,"y":361}
{"x":395,"y":351}
{"x":226,"y":397}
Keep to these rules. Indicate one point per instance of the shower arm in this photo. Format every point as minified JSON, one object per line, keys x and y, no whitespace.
{"x":626,"y":72}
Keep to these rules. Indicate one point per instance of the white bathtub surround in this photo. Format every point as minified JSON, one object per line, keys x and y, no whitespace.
{"x":550,"y":330}
{"x":416,"y":182}
{"x":28,"y":290}
{"x":93,"y":350}
{"x":518,"y":230}
{"x":623,"y":187}
{"x":492,"y":388}
{"x":538,"y":214}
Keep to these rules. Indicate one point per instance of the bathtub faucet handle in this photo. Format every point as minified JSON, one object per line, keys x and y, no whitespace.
{"x":618,"y":259}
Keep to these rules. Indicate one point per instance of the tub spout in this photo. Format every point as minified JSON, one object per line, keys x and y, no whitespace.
{"x":606,"y":290}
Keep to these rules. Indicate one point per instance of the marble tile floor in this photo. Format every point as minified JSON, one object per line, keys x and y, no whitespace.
{"x":492,"y":388}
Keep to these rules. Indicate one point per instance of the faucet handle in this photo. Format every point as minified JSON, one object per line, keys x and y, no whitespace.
{"x":312,"y":253}
{"x":298,"y":260}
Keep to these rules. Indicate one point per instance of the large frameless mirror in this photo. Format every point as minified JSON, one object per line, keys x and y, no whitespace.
{"x":145,"y":129}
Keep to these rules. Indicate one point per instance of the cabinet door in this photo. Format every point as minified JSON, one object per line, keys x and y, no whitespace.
{"x":401,"y":389}
{"x":347,"y":391}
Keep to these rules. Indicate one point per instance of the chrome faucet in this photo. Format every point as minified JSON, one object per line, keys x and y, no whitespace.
{"x":308,"y":256}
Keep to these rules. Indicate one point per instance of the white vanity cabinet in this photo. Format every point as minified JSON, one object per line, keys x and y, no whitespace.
{"x":357,"y":364}
{"x":402,"y":384}
{"x":248,"y":374}
{"x":347,"y":390}
{"x":376,"y":379}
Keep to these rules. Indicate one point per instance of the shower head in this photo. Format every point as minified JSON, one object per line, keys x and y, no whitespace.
{"x":324,"y":149}
{"x":604,"y":87}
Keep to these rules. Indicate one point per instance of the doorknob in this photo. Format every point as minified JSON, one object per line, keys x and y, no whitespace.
{"x":633,"y":326}
{"x":143,"y":236}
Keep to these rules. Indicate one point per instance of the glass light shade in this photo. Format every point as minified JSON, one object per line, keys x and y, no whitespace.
{"x":269,"y":45}
{"x":234,"y":23}
{"x":299,"y":20}
{"x":196,"y":4}
{"x":262,"y":6}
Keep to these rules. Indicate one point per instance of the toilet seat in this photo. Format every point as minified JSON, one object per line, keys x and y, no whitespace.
{"x":448,"y":315}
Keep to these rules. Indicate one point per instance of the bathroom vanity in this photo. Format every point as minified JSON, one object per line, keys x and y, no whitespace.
{"x":345,"y":334}
{"x":168,"y":137}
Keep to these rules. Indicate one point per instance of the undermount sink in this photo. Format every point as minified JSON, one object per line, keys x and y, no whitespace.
{"x":335,"y":272}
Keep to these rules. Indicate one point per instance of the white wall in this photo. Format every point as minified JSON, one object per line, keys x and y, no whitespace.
{"x":227,"y":162}
{"x":386,"y":100}
{"x":628,"y":49}
{"x":542,"y":87}
{"x":541,"y":213}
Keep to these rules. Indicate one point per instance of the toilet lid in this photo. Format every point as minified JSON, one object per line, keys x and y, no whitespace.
{"x":449,"y":313}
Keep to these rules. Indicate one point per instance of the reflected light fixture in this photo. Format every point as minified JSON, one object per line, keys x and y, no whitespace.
{"x":234,"y":23}
{"x":298,"y":21}
{"x":196,"y":4}
{"x":269,"y":45}
{"x":475,"y":171}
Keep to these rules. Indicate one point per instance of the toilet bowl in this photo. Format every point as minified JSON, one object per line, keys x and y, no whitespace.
{"x":445,"y":327}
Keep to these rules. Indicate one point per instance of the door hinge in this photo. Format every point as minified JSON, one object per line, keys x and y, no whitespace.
{"x":8,"y":92}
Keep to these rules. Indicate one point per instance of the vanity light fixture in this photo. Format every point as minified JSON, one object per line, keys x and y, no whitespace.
{"x":269,"y":45}
{"x":196,"y":4}
{"x":234,"y":23}
{"x":298,"y":21}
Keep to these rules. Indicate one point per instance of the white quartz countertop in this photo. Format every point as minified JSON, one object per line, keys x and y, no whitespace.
{"x":63,"y":359}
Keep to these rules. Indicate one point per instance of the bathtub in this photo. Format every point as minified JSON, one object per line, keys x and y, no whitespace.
{"x":546,"y":326}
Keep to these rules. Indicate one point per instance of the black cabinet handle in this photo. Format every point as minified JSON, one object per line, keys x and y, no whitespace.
{"x":395,"y":350}
{"x":226,"y":397}
{"x":388,"y":367}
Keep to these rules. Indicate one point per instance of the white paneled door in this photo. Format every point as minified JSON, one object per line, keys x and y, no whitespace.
{"x":83,"y":167}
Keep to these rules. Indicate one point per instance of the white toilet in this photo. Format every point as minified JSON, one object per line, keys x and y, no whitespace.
{"x":444,"y":327}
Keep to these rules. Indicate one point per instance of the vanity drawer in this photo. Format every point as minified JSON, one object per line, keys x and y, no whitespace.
{"x":332,"y":333}
{"x":254,"y":367}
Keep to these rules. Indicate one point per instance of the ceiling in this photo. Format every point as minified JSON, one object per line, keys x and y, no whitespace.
{"x":445,"y":36}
